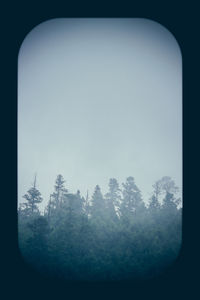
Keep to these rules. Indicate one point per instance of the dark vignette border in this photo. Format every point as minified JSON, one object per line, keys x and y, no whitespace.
{"x":180,"y":278}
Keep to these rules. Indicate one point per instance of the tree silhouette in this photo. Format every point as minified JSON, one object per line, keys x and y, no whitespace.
{"x":33,"y":197}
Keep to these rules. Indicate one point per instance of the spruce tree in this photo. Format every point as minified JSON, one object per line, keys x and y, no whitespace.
{"x":59,"y":191}
{"x":98,"y":204}
{"x":132,"y":199}
{"x":113,"y":199}
{"x":33,"y":197}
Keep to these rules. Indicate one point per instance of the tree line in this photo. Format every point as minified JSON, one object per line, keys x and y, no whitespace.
{"x":106,"y":237}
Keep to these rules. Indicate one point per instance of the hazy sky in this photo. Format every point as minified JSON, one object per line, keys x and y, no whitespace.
{"x":99,"y":98}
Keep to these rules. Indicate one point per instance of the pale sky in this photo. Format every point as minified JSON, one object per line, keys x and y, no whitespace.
{"x":97,"y":99}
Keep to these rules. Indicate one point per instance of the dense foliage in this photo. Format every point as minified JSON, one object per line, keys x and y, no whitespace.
{"x":108,"y":237}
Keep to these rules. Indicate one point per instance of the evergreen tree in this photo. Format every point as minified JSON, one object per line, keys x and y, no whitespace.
{"x":132,"y":199}
{"x":49,"y":209}
{"x":86,"y":205}
{"x":59,"y":190}
{"x":113,"y":199}
{"x":154,"y":204}
{"x":169,"y":203}
{"x":76,"y":203}
{"x":154,"y":210}
{"x":33,"y":197}
{"x":157,"y":189}
{"x":98,"y":204}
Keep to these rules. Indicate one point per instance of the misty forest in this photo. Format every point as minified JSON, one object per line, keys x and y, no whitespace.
{"x":116,"y":236}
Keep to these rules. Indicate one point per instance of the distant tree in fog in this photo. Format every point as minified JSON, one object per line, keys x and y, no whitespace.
{"x":33,"y":197}
{"x":132,"y":198}
{"x":165,"y":185}
{"x":97,"y":204}
{"x":113,"y":198}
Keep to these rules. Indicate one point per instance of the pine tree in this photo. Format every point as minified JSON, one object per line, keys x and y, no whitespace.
{"x":77,"y":204}
{"x":98,"y":204}
{"x":154,"y":204}
{"x":49,"y":208}
{"x":33,"y":197}
{"x":59,"y":192}
{"x":169,"y":204}
{"x":86,"y":205}
{"x":113,"y":199}
{"x":132,"y":199}
{"x":157,"y":189}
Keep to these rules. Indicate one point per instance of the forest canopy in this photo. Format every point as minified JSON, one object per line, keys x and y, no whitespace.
{"x":109,"y":237}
